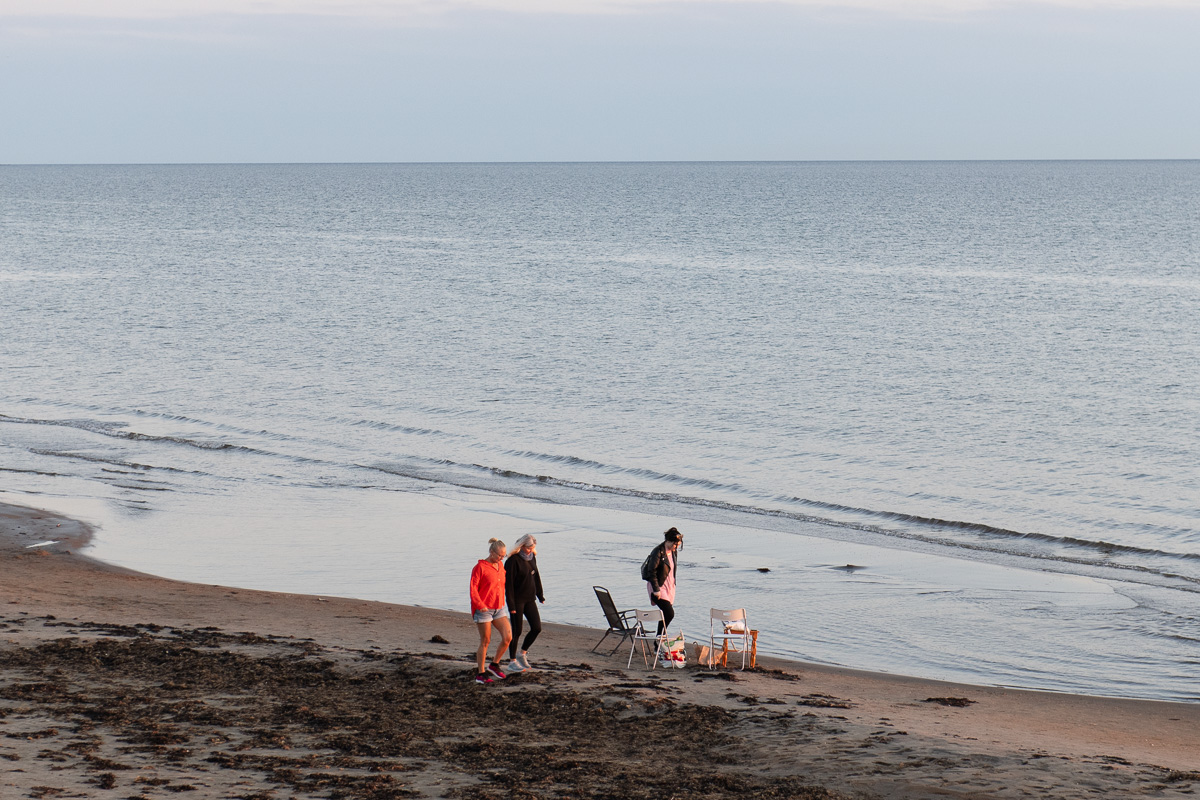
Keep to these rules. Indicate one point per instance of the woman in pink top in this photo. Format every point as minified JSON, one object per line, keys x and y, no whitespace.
{"x":488,"y":610}
{"x":658,"y":570}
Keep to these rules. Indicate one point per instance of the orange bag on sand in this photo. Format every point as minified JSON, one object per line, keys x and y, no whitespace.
{"x":701,"y":654}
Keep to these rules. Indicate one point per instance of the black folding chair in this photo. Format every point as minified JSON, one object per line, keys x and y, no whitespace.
{"x":622,"y":623}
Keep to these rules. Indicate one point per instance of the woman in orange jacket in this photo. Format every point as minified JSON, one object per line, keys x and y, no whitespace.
{"x":488,"y":610}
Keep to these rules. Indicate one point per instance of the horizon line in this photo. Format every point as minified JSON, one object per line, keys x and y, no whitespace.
{"x":581,"y":161}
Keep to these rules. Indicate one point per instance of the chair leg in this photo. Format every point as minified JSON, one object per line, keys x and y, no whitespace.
{"x":602,"y":638}
{"x":642,"y":643}
{"x":745,"y":649}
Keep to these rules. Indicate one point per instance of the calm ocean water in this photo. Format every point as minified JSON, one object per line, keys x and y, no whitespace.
{"x":980,"y":378}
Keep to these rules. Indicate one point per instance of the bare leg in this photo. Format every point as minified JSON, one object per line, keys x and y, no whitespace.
{"x":485,"y":637}
{"x":505,"y":629}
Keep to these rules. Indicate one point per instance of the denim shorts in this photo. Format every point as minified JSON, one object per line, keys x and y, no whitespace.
{"x":489,"y":614}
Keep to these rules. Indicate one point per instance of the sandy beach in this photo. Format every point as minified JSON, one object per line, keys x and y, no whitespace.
{"x":115,"y":684}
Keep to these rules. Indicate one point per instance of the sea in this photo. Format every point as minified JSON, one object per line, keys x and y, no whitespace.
{"x":927,"y":418}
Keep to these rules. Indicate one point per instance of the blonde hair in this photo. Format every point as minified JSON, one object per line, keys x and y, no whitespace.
{"x":495,"y":545}
{"x":527,"y":539}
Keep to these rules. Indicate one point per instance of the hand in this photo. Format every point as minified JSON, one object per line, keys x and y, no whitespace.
{"x":540,"y":600}
{"x":655,"y":595}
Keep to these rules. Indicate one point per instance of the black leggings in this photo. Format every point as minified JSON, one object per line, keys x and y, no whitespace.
{"x":530,"y":612}
{"x":668,"y":612}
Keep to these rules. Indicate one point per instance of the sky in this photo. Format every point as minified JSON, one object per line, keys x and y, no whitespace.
{"x":182,"y":81}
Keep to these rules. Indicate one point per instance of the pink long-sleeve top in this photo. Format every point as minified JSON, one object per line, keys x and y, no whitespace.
{"x":487,"y":585}
{"x":667,"y":590}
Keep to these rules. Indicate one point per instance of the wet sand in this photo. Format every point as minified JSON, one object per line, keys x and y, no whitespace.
{"x":115,"y":684}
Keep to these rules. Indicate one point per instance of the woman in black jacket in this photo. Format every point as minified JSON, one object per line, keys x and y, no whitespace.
{"x":658,"y":571}
{"x":523,"y":583}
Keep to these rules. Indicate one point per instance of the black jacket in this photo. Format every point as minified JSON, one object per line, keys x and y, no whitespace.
{"x":660,"y":566}
{"x":522,"y":581}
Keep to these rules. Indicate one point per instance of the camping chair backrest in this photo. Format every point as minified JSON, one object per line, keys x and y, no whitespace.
{"x":647,"y":622}
{"x":727,"y":617}
{"x":611,"y":615}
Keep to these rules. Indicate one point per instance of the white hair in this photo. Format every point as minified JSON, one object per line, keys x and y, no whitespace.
{"x":527,"y":539}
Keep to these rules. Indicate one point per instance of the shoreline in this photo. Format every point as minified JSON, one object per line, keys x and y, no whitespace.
{"x":945,"y":616}
{"x":852,"y":732}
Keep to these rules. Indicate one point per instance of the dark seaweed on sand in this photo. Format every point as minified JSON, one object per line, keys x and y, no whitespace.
{"x":818,"y":700}
{"x":363,"y":729}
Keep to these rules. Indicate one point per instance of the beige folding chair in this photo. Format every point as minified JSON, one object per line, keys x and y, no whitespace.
{"x":646,"y":631}
{"x":734,"y":634}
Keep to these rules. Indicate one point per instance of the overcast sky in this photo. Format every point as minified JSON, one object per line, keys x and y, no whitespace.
{"x":86,"y":81}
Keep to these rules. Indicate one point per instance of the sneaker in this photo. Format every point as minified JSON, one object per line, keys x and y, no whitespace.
{"x":483,"y":678}
{"x":495,"y":671}
{"x":514,"y":666}
{"x":524,"y":659}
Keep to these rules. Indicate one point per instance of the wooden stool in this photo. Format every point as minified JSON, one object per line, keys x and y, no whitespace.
{"x":724,"y":656}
